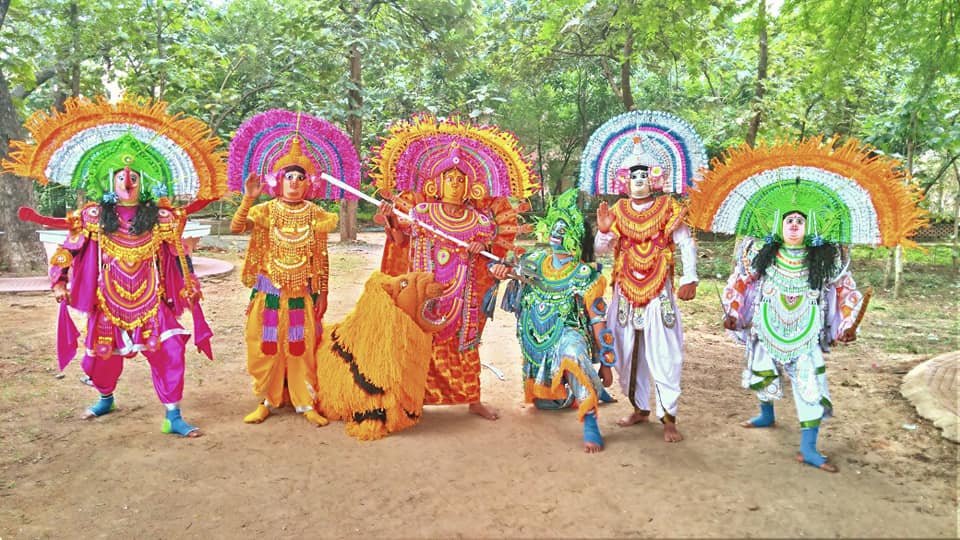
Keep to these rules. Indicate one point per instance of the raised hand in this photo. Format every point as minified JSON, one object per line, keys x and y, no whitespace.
{"x":604,"y":217}
{"x":251,"y":186}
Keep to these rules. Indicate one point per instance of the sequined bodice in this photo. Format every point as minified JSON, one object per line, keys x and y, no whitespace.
{"x":451,"y":265}
{"x":788,"y":317}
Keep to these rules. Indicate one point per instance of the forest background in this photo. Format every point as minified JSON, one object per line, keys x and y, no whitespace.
{"x":552,"y":71}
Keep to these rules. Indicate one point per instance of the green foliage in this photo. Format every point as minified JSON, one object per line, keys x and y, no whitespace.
{"x":550,"y":70}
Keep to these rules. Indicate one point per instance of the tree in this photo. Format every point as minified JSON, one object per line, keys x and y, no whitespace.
{"x":20,"y":247}
{"x":761,"y":89}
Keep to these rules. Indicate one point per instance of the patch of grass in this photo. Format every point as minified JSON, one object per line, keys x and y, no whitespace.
{"x":926,"y":254}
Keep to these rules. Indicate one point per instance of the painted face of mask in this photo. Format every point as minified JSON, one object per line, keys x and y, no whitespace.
{"x":639,"y":183}
{"x":453,"y":186}
{"x":794,"y":229}
{"x":126,"y":184}
{"x":557,"y":234}
{"x":295,"y":185}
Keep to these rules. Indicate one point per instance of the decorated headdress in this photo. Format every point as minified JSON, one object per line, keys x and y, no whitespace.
{"x":83,"y":146}
{"x":565,"y":208}
{"x":849,"y":194}
{"x":416,"y":151}
{"x":666,"y":145}
{"x":270,"y":141}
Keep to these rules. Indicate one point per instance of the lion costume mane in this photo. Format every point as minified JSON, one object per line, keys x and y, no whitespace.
{"x":372,"y":367}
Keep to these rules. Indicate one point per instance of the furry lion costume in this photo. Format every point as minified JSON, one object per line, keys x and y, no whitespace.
{"x":372,"y":367}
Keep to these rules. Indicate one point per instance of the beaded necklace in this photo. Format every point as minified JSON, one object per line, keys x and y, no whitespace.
{"x":130,"y":284}
{"x":790,"y":315}
{"x":291,"y":243}
{"x":463,"y":227}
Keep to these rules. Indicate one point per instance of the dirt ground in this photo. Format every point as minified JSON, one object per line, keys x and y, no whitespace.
{"x":454,"y":475}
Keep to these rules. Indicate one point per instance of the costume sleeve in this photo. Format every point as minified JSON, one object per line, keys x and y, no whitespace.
{"x":84,"y":263}
{"x":484,"y":279}
{"x":178,"y":274}
{"x":603,"y":242}
{"x":176,"y":266}
{"x":844,"y":303}
{"x":688,"y":253}
{"x":325,"y":222}
{"x":63,"y":258}
{"x":596,"y":308}
{"x":741,"y":287}
{"x":260,"y":215}
{"x":594,"y":292}
{"x":241,"y":219}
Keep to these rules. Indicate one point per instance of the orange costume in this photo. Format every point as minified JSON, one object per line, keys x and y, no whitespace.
{"x":286,"y":263}
{"x":454,"y":178}
{"x":287,"y":267}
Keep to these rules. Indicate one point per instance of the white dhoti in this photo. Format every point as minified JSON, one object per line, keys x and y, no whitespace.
{"x":649,"y":344}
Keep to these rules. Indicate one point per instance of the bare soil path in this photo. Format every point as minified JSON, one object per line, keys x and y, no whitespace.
{"x":453,"y":475}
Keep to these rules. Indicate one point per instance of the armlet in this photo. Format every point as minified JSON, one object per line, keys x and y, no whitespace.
{"x":62,"y":258}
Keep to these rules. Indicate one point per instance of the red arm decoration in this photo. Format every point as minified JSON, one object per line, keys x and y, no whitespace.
{"x":25,"y":213}
{"x":197,"y":206}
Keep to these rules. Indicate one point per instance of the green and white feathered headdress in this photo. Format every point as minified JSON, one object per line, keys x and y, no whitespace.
{"x":86,"y":143}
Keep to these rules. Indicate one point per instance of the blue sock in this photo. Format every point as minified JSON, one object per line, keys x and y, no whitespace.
{"x":766,"y":417}
{"x":808,"y":446}
{"x":104,"y":406}
{"x":174,"y":423}
{"x":605,"y":396}
{"x":591,"y":432}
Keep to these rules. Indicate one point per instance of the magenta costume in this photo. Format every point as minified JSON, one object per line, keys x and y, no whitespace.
{"x":129,"y":287}
{"x":124,"y":259}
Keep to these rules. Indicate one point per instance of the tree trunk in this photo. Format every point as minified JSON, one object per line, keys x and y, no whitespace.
{"x":625,"y":69}
{"x":348,"y":208}
{"x":75,"y":51}
{"x":160,"y":84}
{"x":20,"y":247}
{"x":888,"y":269}
{"x":898,"y":270}
{"x":751,"y":137}
{"x":956,"y":220}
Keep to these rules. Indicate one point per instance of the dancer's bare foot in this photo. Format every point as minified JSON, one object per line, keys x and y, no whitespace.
{"x":828,"y":467}
{"x":592,"y":448}
{"x":636,"y":418}
{"x":750,"y":425}
{"x":259,"y":415}
{"x":194,"y":434}
{"x":480,"y":408}
{"x":670,"y":433}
